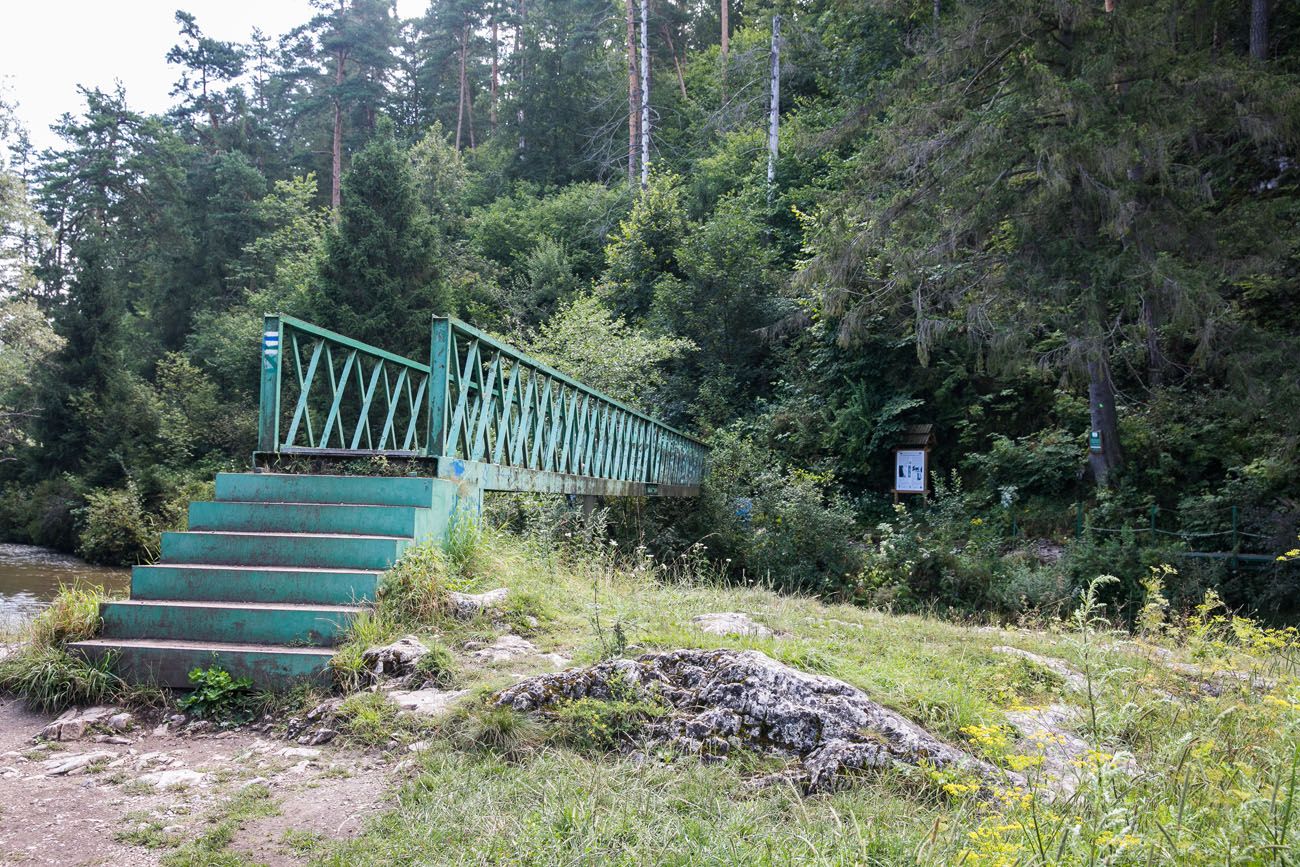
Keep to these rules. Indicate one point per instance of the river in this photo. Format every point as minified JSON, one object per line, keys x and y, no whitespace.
{"x":30,"y":577}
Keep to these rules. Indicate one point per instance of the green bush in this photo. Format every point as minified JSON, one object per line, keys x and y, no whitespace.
{"x":593,"y":725}
{"x":115,"y":529}
{"x":414,"y":593}
{"x":50,"y":679}
{"x":776,"y":524}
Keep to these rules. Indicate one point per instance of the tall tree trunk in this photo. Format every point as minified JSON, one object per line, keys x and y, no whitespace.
{"x":519,"y":50}
{"x":336,"y":163}
{"x":1259,"y":30}
{"x":469,"y":112}
{"x":677,"y":64}
{"x":645,"y":93}
{"x":774,"y":111}
{"x":1105,"y":421}
{"x":460,"y":105}
{"x":633,"y":93}
{"x":496,"y":71}
{"x":726,"y":45}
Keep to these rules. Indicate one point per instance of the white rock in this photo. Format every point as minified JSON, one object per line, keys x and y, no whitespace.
{"x":505,"y":648}
{"x":398,"y":658}
{"x":72,"y":725}
{"x":173,"y":778}
{"x":428,"y":702}
{"x":418,"y":746}
{"x":466,"y":605}
{"x":120,"y":722}
{"x":299,"y":753}
{"x":68,"y":764}
{"x":730,"y":623}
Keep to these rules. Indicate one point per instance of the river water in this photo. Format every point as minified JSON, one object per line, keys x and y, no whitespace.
{"x":30,"y":577}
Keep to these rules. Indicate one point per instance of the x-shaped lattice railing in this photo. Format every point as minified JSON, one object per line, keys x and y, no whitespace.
{"x":478,"y":400}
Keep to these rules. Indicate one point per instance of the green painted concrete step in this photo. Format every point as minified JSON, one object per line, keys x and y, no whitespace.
{"x":168,"y":663}
{"x":206,"y":582}
{"x":235,"y":622}
{"x":407,"y":521}
{"x":317,"y":550}
{"x":361,"y":490}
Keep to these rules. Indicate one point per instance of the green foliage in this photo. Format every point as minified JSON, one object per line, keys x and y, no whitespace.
{"x":381,"y":268}
{"x":465,"y":545}
{"x":414,"y":593}
{"x":115,"y":529}
{"x":595,"y":725}
{"x":588,"y":342}
{"x":215,"y":695}
{"x":436,"y":669}
{"x":774,"y":523}
{"x":49,"y":679}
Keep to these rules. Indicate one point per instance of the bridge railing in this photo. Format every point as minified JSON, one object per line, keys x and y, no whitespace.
{"x":326,"y":393}
{"x":484,"y":410}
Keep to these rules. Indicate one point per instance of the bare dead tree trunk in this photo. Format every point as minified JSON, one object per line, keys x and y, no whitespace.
{"x":633,"y":93}
{"x":336,"y":150}
{"x":668,"y":37}
{"x":469,"y":111}
{"x":645,"y":93}
{"x":1259,"y":30}
{"x":1105,"y":420}
{"x":937,"y":5}
{"x":460,"y":106}
{"x":496,"y":70}
{"x":774,"y":111}
{"x":519,"y":50}
{"x":726,"y":45}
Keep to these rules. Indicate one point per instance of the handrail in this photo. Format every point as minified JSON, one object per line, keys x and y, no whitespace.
{"x":340,"y":378}
{"x":505,"y":408}
{"x":527,"y":425}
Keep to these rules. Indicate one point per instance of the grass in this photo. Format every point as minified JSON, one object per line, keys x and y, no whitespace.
{"x":1214,"y":781}
{"x":210,"y":847}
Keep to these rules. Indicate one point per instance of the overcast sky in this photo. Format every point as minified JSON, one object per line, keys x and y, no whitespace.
{"x":48,"y":47}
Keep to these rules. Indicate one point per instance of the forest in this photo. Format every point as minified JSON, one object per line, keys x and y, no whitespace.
{"x":1019,"y":222}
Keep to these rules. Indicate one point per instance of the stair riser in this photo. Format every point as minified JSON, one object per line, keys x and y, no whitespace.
{"x":250,"y":585}
{"x":366,"y":490}
{"x":312,"y":518}
{"x":171,"y":667}
{"x":227,"y":625}
{"x":287,"y":551}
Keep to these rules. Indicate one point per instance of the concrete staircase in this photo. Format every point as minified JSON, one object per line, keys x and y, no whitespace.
{"x":268,"y":577}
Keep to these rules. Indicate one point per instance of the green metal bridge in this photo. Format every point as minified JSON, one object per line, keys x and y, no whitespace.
{"x":269,"y":576}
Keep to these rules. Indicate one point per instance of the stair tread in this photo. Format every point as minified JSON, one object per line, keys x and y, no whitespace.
{"x":281,"y":535}
{"x":237,"y":606}
{"x":214,"y":646}
{"x":339,"y":570}
{"x":306,"y":503}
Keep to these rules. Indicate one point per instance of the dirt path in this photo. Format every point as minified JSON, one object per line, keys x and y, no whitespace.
{"x":270,"y":800}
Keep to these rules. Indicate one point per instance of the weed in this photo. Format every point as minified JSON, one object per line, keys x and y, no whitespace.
{"x":437,"y":668}
{"x":465,"y":545}
{"x":593,"y":725}
{"x":218,"y":696}
{"x":414,"y":592}
{"x":209,"y":848}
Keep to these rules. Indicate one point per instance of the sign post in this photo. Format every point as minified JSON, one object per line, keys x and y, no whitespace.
{"x":911,"y":470}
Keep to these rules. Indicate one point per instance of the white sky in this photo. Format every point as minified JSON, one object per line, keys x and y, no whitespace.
{"x":48,"y":47}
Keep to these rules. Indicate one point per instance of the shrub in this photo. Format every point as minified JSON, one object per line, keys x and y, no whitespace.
{"x":780,"y":525}
{"x":501,"y":730}
{"x":114,"y":528}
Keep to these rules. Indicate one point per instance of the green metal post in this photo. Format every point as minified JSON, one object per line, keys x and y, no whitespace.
{"x":439,"y":385}
{"x":1078,"y":520}
{"x":268,"y":412}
